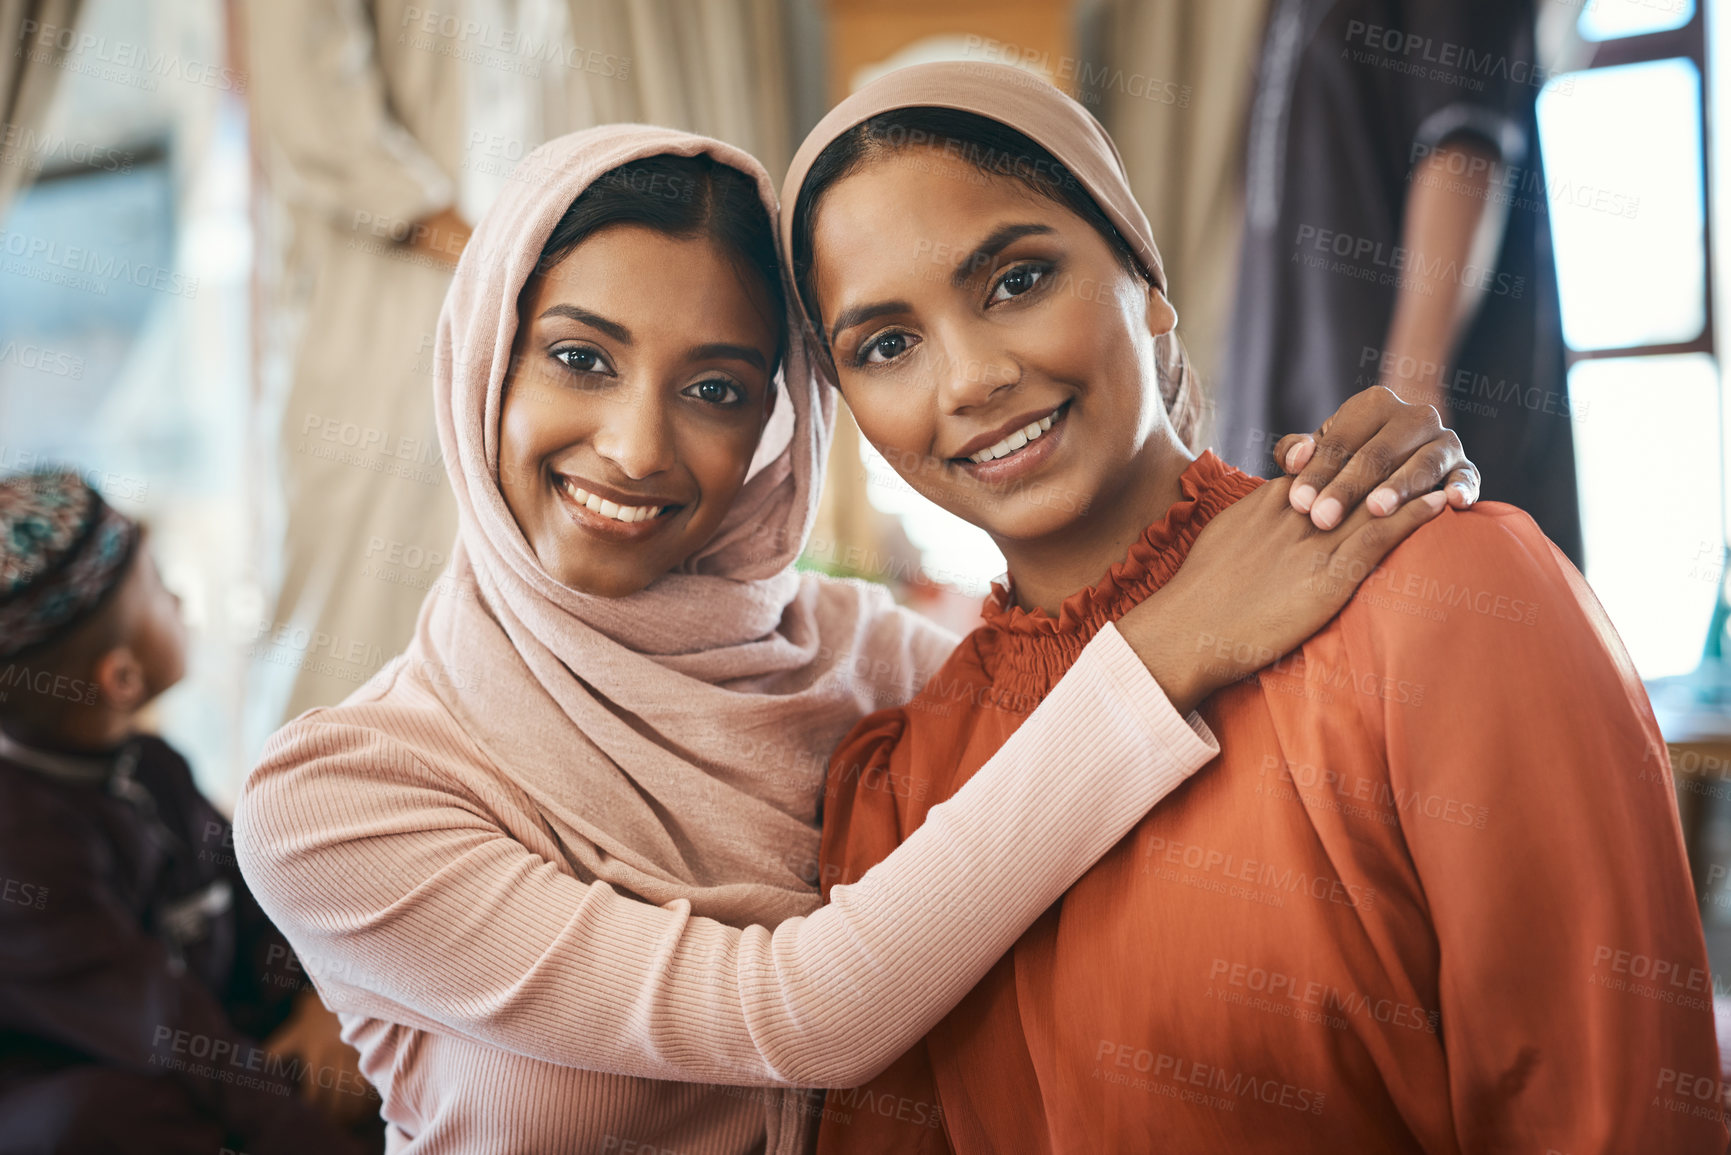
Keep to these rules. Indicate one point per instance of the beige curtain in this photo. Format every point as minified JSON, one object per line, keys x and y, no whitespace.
{"x":1175,"y":95}
{"x":717,"y":67}
{"x":28,"y":72}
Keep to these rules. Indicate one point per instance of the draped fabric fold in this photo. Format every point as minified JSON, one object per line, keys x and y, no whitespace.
{"x":28,"y":74}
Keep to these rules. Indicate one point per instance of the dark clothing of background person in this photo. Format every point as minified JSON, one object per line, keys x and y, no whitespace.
{"x":1350,"y":96}
{"x":136,"y":970}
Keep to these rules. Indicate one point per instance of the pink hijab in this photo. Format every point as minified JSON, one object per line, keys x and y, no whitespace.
{"x":675,"y":740}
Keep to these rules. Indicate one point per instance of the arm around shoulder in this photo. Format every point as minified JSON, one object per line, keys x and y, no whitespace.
{"x":409,"y":901}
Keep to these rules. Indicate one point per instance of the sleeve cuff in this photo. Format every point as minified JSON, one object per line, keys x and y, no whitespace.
{"x":1489,"y":125}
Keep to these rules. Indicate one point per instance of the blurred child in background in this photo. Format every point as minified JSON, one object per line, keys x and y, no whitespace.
{"x":136,"y":971}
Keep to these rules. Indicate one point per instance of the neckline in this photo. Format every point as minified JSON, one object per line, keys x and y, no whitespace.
{"x":1031,"y":649}
{"x":65,"y":766}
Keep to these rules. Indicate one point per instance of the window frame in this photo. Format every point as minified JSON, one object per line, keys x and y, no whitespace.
{"x":1688,"y":42}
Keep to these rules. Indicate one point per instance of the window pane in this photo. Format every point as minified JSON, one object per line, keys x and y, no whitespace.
{"x":1622,"y":153}
{"x":1607,"y":19}
{"x":1647,"y":450}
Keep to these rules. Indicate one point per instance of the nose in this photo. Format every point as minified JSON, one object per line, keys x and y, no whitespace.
{"x":634,"y":434}
{"x":972,"y":370}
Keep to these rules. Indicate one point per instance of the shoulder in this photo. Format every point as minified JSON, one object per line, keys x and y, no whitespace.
{"x":893,"y":650}
{"x":1489,"y":532}
{"x":394,"y":714}
{"x":938,"y":714}
{"x":394,"y":734}
{"x":1481,"y":561}
{"x":1482,"y":582}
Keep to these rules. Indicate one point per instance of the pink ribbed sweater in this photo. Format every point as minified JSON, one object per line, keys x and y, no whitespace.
{"x":503,"y":1003}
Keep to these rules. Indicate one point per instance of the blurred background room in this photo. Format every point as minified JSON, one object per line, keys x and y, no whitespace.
{"x":226,"y":228}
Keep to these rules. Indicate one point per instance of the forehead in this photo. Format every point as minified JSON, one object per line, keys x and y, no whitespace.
{"x":656,"y":283}
{"x":917,"y":206}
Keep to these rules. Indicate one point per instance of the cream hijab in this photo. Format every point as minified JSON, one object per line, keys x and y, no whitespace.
{"x":1050,"y":119}
{"x":675,"y":739}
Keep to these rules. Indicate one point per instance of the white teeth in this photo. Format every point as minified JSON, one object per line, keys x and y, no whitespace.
{"x":1014,"y":441}
{"x":627,"y":513}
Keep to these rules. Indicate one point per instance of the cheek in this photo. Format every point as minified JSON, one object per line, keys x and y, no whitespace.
{"x":168,"y":639}
{"x":516,"y":436}
{"x":1085,"y":332}
{"x":717,"y":459}
{"x":896,"y":418}
{"x":535,"y":420}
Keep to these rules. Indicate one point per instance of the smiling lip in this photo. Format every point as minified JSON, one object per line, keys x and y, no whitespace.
{"x":1019,"y":463}
{"x":1008,"y":429}
{"x":597,"y":508}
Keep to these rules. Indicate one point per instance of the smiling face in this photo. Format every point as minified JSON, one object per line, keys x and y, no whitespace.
{"x":991,"y":345}
{"x":639,"y":389}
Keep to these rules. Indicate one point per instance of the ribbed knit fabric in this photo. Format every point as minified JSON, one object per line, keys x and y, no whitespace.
{"x":488,"y":984}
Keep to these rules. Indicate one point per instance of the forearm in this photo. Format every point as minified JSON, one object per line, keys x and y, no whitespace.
{"x":1453,"y":227}
{"x":458,"y":926}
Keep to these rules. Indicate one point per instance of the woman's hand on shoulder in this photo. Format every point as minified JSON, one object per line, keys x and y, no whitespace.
{"x":1378,"y":450}
{"x":1260,"y":579}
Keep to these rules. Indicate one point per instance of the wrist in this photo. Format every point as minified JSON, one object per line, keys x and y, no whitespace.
{"x":1176,"y":668}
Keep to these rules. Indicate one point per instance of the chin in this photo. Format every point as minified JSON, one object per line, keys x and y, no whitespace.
{"x":606,"y":585}
{"x":1026,"y":521}
{"x":1040,"y":508}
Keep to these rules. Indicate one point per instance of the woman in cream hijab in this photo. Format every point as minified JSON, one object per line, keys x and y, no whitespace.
{"x":555,"y":867}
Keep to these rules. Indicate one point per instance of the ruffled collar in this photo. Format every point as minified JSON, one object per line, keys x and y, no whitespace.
{"x":1027,"y":651}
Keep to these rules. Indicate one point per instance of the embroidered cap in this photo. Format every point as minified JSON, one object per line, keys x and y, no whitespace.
{"x":62,"y":550}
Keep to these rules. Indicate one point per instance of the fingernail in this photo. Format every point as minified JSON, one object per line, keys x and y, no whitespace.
{"x":1327,"y":513}
{"x":1301,"y":497}
{"x":1461,"y":491}
{"x":1299,"y":455}
{"x":1435,"y":500}
{"x":1383,"y":502}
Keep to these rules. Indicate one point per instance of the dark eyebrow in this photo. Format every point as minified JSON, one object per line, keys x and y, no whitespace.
{"x":612,"y":328}
{"x":988,"y":249}
{"x":737,"y":352}
{"x":860,"y":314}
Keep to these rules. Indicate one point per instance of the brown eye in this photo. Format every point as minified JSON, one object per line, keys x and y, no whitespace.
{"x":884,"y":348}
{"x":716,"y":392}
{"x":1017,"y":281}
{"x":580,"y":359}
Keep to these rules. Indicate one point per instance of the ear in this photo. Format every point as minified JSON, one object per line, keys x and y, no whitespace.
{"x":1162,"y":317}
{"x":120,"y":677}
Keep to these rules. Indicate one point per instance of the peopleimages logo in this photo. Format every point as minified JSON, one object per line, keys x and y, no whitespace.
{"x":32,"y":150}
{"x":1368,"y":259}
{"x":126,"y":62}
{"x":46,"y":259}
{"x":1444,"y":61}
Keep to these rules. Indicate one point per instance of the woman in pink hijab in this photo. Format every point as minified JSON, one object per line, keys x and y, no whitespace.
{"x":555,"y":866}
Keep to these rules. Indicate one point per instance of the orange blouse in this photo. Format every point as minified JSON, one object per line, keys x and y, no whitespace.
{"x":1431,"y":896}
